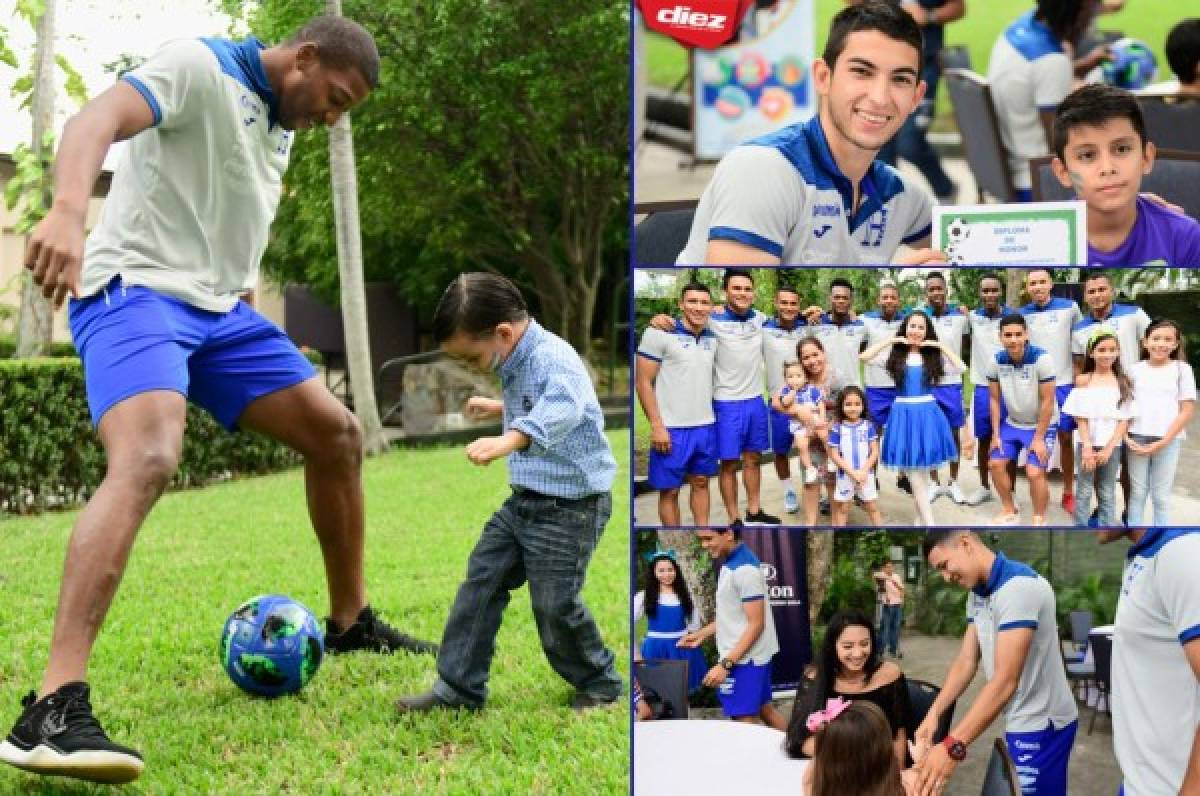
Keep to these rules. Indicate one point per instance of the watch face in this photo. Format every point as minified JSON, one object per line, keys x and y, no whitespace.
{"x":958,"y":751}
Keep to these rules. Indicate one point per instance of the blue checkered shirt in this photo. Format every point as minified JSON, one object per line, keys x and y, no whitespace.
{"x":549,"y":397}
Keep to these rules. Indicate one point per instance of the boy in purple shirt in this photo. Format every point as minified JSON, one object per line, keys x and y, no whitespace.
{"x":1101,"y":151}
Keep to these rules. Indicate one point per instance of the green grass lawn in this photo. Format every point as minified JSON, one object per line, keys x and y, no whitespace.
{"x":158,"y":684}
{"x":1148,"y":20}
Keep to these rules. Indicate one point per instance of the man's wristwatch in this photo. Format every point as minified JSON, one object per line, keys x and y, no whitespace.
{"x":955,"y":748}
{"x":726,"y":664}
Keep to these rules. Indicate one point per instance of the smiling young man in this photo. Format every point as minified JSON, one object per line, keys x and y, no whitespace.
{"x":1102,"y":152}
{"x":675,"y":389}
{"x":1156,"y":662}
{"x":157,"y":316}
{"x":813,"y":192}
{"x":1012,"y":630}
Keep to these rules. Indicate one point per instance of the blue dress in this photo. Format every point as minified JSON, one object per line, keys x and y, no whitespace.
{"x":663,"y":631}
{"x":917,"y":435}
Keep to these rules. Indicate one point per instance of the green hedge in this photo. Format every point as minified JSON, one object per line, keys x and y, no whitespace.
{"x":50,"y":456}
{"x":8,"y":348}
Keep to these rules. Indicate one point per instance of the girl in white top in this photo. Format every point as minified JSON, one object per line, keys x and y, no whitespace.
{"x":1165,"y":391}
{"x":1101,"y":404}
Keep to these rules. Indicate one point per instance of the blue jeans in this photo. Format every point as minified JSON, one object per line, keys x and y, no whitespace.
{"x":547,"y":541}
{"x":1153,"y":476}
{"x":889,"y":628}
{"x":1105,"y":481}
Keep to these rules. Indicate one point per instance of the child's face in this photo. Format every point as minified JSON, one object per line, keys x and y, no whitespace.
{"x":664,"y":572}
{"x":794,"y":376}
{"x":1106,"y":352}
{"x":1161,"y":343}
{"x":852,"y":407}
{"x":1105,"y":164}
{"x":481,"y":354}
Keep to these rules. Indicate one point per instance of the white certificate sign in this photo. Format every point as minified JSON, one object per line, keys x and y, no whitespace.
{"x":1039,"y":233}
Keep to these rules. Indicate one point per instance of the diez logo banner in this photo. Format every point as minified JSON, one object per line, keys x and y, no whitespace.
{"x":695,"y":23}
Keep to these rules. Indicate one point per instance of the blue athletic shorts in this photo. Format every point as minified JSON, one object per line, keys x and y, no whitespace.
{"x":133,"y":340}
{"x":693,"y":452}
{"x":1014,"y":440}
{"x":949,"y":398}
{"x":1041,"y":759}
{"x":745,"y":690}
{"x":879,"y":404}
{"x":981,"y":413}
{"x":781,"y":436}
{"x":741,"y":427}
{"x":1065,"y":421}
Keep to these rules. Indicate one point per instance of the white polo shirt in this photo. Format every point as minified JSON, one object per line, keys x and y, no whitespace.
{"x":193,"y":197}
{"x":741,"y":581}
{"x":1127,"y":321}
{"x":951,"y":328}
{"x":985,"y":342}
{"x":684,"y":384}
{"x":1017,"y":597}
{"x":1156,"y":697}
{"x":1028,"y":72}
{"x":1050,"y":329}
{"x":878,"y":330}
{"x":738,"y":371}
{"x":785,"y":195}
{"x":779,"y":347}
{"x":843,"y":343}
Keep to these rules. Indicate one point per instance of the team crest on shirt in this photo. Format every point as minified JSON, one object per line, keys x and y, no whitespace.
{"x":251,"y":111}
{"x":526,"y":403}
{"x":874,"y":229}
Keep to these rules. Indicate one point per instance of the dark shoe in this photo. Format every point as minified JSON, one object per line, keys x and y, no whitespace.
{"x":57,"y":735}
{"x":428,"y":702}
{"x":824,"y":506}
{"x":371,"y":633}
{"x":761,"y":517}
{"x":583,"y":701}
{"x":903,"y":484}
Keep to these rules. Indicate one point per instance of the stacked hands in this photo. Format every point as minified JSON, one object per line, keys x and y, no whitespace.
{"x":486,"y":450}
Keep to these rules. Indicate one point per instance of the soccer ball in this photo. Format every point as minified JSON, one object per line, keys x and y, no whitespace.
{"x":1132,"y":65}
{"x":958,"y":230}
{"x":271,"y":645}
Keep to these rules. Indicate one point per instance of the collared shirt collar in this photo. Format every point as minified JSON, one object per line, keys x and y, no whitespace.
{"x":993,"y":581}
{"x":528,"y":342}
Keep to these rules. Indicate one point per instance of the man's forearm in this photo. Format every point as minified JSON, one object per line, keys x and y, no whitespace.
{"x":984,"y":710}
{"x":1191,"y":779}
{"x":957,"y":679}
{"x":85,"y":141}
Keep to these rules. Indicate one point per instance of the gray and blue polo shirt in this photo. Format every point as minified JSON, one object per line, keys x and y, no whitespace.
{"x":1050,"y":329}
{"x":779,"y":347}
{"x":878,"y":330}
{"x":1156,"y":696}
{"x":741,"y":581}
{"x":738,"y":371}
{"x":784,"y":194}
{"x":843,"y":343}
{"x":1020,"y":384}
{"x":985,"y":342}
{"x":1017,"y":597}
{"x":684,"y":385}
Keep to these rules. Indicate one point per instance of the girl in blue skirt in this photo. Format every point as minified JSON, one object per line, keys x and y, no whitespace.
{"x":917,"y":437}
{"x":670,"y":613}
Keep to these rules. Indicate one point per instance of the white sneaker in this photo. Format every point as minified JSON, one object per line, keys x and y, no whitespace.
{"x":956,"y":494}
{"x":811,"y":475}
{"x":935,"y":492}
{"x":790,"y":504}
{"x":979,"y":496}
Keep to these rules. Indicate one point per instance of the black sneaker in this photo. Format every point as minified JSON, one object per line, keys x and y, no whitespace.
{"x":903,"y":484}
{"x":761,"y":517}
{"x":371,"y":633}
{"x":57,"y":735}
{"x":583,"y":701}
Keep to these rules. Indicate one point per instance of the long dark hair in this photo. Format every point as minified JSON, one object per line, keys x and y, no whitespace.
{"x":854,"y":754}
{"x":1124,"y":385}
{"x":828,"y":668}
{"x":931,"y":358}
{"x":651,"y":588}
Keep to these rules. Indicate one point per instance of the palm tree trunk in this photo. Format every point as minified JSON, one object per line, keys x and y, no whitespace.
{"x":350,"y":272}
{"x":35,"y":323}
{"x":820,"y":564}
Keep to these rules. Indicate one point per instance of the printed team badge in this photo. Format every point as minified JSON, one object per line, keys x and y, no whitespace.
{"x":695,"y":23}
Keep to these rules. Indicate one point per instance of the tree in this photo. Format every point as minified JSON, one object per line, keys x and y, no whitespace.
{"x":497,"y":140}
{"x":344,"y":184}
{"x":820,"y":564}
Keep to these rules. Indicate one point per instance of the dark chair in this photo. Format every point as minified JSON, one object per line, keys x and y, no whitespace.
{"x":1079,"y":674}
{"x":1102,"y":653}
{"x":1001,"y":777}
{"x":980,"y":130}
{"x":668,"y":680}
{"x":1081,"y":626}
{"x":921,"y":695}
{"x":1172,"y":121}
{"x":661,"y":235}
{"x":1175,"y":177}
{"x":956,"y":56}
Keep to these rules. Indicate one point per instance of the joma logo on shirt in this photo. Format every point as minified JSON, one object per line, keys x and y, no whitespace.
{"x":827,"y":210}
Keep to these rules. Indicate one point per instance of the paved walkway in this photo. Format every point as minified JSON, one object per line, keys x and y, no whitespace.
{"x":1093,"y":769}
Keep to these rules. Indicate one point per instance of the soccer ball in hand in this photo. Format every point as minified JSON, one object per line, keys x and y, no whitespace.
{"x":1132,"y":66}
{"x":271,"y":645}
